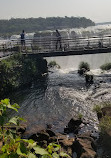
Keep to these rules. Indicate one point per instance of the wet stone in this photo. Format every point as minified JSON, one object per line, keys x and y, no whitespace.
{"x":73,"y":126}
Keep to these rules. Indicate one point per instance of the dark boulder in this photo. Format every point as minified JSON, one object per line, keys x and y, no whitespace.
{"x":21,"y":130}
{"x":89,"y":78}
{"x":81,"y":71}
{"x":73,"y":126}
{"x":41,"y":136}
{"x":106,"y":111}
{"x":50,"y":132}
{"x":84,"y":146}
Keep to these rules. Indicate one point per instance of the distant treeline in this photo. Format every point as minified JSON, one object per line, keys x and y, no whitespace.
{"x":15,"y":26}
{"x":103,"y":23}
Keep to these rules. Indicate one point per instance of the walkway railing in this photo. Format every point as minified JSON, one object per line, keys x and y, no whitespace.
{"x":49,"y":44}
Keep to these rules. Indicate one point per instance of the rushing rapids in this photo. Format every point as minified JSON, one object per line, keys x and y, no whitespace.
{"x":61,"y":95}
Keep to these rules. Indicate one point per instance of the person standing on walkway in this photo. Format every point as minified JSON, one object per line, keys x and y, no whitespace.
{"x":58,"y":42}
{"x":22,"y":40}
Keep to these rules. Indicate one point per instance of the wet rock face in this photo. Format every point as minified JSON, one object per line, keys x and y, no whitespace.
{"x":67,"y":145}
{"x":47,"y":136}
{"x":106,"y":111}
{"x":99,"y":115}
{"x":81,"y":71}
{"x":73,"y":126}
{"x":82,"y":145}
{"x":85,"y":147}
{"x":89,"y":79}
{"x":41,"y":136}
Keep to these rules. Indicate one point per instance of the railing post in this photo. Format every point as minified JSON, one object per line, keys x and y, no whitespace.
{"x":109,"y":41}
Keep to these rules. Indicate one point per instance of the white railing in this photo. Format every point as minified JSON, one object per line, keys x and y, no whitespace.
{"x":48,"y":44}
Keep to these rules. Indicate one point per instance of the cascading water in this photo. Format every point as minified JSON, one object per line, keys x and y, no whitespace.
{"x":62,"y":95}
{"x":98,"y":30}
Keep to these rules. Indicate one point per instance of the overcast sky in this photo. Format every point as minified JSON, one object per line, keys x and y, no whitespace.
{"x":96,"y":10}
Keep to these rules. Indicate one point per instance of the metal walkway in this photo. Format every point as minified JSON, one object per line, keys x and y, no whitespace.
{"x":49,"y":46}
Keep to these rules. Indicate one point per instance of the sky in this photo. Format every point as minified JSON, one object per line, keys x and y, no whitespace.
{"x":96,"y":10}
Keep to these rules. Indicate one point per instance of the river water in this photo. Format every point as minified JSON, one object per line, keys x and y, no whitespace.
{"x":62,"y":95}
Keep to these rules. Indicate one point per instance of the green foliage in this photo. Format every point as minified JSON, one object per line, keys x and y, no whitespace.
{"x":106,"y":104}
{"x":18,"y":70}
{"x":83,"y":68}
{"x":53,"y":64}
{"x":105,"y":124}
{"x":10,"y":142}
{"x":97,"y":108}
{"x":4,"y":105}
{"x":54,"y":151}
{"x":10,"y":72}
{"x":80,"y":116}
{"x":84,"y":65}
{"x":15,"y":147}
{"x":40,"y":151}
{"x":106,"y":66}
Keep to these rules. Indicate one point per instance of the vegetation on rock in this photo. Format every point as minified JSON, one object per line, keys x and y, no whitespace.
{"x":17,"y":71}
{"x":104,"y":115}
{"x":97,"y":108}
{"x":53,"y":64}
{"x":83,"y":67}
{"x":105,"y":124}
{"x":106,"y":66}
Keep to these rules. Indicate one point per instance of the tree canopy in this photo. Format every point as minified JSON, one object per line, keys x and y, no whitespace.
{"x":9,"y":27}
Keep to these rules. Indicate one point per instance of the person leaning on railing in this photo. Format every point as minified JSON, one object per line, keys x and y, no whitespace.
{"x":58,"y":42}
{"x":23,"y":40}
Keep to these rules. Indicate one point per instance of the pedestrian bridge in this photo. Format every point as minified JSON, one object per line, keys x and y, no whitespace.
{"x":50,"y":47}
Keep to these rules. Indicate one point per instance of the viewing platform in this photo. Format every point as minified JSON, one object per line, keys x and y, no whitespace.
{"x":68,"y":52}
{"x":50,"y":47}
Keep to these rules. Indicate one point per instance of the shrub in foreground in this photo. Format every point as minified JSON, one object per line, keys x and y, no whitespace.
{"x":12,"y":146}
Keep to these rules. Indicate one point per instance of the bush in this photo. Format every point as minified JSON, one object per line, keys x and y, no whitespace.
{"x":106,"y":66}
{"x":105,"y":124}
{"x":97,"y":108}
{"x":104,"y":118}
{"x":106,"y":104}
{"x":53,"y":64}
{"x":17,"y":70}
{"x":83,"y":67}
